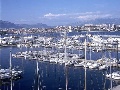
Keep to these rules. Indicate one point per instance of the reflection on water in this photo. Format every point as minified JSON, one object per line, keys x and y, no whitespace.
{"x":48,"y":76}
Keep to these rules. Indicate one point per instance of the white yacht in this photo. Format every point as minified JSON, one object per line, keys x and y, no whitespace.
{"x":9,"y":73}
{"x":81,"y":64}
{"x":103,"y":67}
{"x":94,"y":66}
{"x":114,"y":75}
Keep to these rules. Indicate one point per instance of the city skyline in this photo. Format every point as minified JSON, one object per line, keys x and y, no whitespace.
{"x":53,"y":12}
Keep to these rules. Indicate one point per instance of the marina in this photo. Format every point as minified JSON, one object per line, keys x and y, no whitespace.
{"x":59,"y":45}
{"x":61,"y":61}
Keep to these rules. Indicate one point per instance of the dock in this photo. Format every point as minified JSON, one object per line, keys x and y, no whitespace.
{"x":96,"y":61}
{"x":116,"y":88}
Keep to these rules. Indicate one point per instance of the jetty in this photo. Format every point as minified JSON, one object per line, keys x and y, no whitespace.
{"x":116,"y":88}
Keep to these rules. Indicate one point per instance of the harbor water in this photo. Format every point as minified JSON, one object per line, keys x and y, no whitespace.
{"x":52,"y":76}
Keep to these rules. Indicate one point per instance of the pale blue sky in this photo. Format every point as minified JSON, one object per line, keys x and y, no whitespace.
{"x":57,"y":12}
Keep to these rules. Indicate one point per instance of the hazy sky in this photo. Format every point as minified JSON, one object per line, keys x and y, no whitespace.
{"x":57,"y":12}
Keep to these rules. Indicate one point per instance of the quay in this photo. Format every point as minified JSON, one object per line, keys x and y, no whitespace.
{"x":116,"y":88}
{"x":101,"y":62}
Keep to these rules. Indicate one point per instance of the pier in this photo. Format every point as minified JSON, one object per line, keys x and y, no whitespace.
{"x":116,"y":88}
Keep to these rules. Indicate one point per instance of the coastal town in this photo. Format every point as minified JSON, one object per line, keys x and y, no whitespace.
{"x":86,"y":27}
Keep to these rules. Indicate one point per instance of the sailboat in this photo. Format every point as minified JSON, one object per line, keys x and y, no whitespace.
{"x":110,"y":72}
{"x":7,"y":74}
{"x":37,"y":83}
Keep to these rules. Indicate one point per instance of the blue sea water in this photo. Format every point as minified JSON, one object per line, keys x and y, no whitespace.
{"x":56,"y":76}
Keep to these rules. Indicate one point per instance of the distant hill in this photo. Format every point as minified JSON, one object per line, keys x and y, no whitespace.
{"x":6,"y":24}
{"x":106,"y":21}
{"x":98,"y":21}
{"x":38,"y":25}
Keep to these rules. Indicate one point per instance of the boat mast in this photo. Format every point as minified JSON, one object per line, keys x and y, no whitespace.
{"x":65,"y":37}
{"x":37,"y":72}
{"x":10,"y":70}
{"x":90,"y":51}
{"x":10,"y":61}
{"x":89,"y":43}
{"x":66,"y":73}
{"x":110,"y":72}
{"x":36,"y":80}
{"x":37,"y":75}
{"x":117,"y":54}
{"x":85,"y":65}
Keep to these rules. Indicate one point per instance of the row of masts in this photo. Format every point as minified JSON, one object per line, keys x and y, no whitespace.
{"x":65,"y":59}
{"x":10,"y":74}
{"x":48,"y":54}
